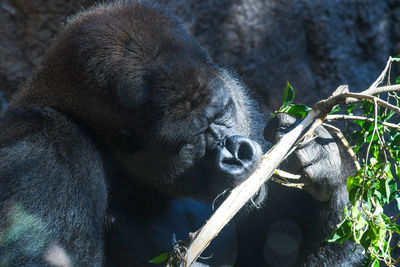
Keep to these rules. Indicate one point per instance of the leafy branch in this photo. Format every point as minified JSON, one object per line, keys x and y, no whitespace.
{"x":374,"y":185}
{"x":371,"y":187}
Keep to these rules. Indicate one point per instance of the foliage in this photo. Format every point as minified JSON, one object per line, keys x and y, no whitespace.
{"x":160,"y":258}
{"x":373,"y":186}
{"x":366,"y":221}
{"x":298,"y":110}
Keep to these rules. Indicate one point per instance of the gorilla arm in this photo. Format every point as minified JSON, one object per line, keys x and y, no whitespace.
{"x":52,"y":192}
{"x":322,"y":160}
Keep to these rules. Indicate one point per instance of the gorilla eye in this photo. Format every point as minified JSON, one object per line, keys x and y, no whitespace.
{"x":224,"y":117}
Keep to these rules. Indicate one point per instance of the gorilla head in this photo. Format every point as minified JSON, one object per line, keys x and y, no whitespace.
{"x":148,"y":91}
{"x":124,"y":94}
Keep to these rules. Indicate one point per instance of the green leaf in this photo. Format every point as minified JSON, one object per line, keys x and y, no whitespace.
{"x":342,"y":233}
{"x":288,"y":95}
{"x":373,"y":161}
{"x":350,"y":183}
{"x":361,"y":123}
{"x":368,"y":139}
{"x":350,"y":109}
{"x":396,"y":141}
{"x":387,"y":170}
{"x":335,"y":110}
{"x":394,"y":227}
{"x":160,"y":258}
{"x":397,"y":198}
{"x":391,"y":188}
{"x":298,"y":110}
{"x":375,"y":263}
{"x":378,"y":209}
{"x":360,"y":223}
{"x":365,"y":240}
{"x":398,"y":171}
{"x":368,"y":107}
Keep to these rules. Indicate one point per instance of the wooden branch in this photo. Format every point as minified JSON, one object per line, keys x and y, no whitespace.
{"x":271,"y":160}
{"x":287,"y":175}
{"x":382,"y":89}
{"x":338,"y":133}
{"x":349,"y":100}
{"x":242,"y":193}
{"x":361,"y":118}
{"x":379,"y":80}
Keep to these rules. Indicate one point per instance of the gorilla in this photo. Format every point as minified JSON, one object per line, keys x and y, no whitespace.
{"x":125,"y":135}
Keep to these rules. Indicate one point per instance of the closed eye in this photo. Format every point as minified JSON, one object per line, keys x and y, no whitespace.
{"x":224,"y":118}
{"x":227,"y":109}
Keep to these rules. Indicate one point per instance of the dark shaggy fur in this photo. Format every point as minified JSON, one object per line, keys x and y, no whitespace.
{"x":113,"y":121}
{"x":124,"y":136}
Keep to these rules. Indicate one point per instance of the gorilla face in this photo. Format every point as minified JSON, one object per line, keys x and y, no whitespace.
{"x":194,"y":137}
{"x":146,"y":90}
{"x":173,"y":119}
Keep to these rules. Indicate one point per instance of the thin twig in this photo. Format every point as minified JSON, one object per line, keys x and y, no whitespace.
{"x":370,"y":98}
{"x":288,"y":184}
{"x":382,"y":89}
{"x":350,"y":98}
{"x":283,"y":179}
{"x":287,"y":175}
{"x":344,"y":142}
{"x":381,"y":77}
{"x":368,"y":149}
{"x":361,"y":118}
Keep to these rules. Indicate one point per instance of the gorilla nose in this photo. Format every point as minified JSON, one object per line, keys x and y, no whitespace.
{"x":238,"y":157}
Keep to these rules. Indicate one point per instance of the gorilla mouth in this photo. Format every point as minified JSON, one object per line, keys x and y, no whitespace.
{"x":232,"y":162}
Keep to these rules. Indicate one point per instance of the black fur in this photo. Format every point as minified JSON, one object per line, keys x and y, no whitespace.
{"x":125,"y":116}
{"x":292,"y":227}
{"x":116,"y":148}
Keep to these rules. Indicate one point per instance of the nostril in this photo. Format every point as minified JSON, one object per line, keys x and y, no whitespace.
{"x":239,"y":157}
{"x":245,"y":152}
{"x":232,"y":161}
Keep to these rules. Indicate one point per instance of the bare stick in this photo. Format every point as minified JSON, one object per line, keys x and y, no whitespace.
{"x":382,"y":89}
{"x":288,"y":184}
{"x":349,"y":98}
{"x":344,"y":142}
{"x":361,"y":118}
{"x":380,"y":79}
{"x":287,"y":175}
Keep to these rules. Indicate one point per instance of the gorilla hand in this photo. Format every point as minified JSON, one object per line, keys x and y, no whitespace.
{"x":320,"y":160}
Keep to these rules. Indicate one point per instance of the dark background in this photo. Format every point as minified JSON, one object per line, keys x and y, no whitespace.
{"x":316,"y":45}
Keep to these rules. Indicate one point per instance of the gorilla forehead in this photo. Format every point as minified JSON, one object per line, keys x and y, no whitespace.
{"x":131,"y":39}
{"x":143,"y":56}
{"x":185,"y":112}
